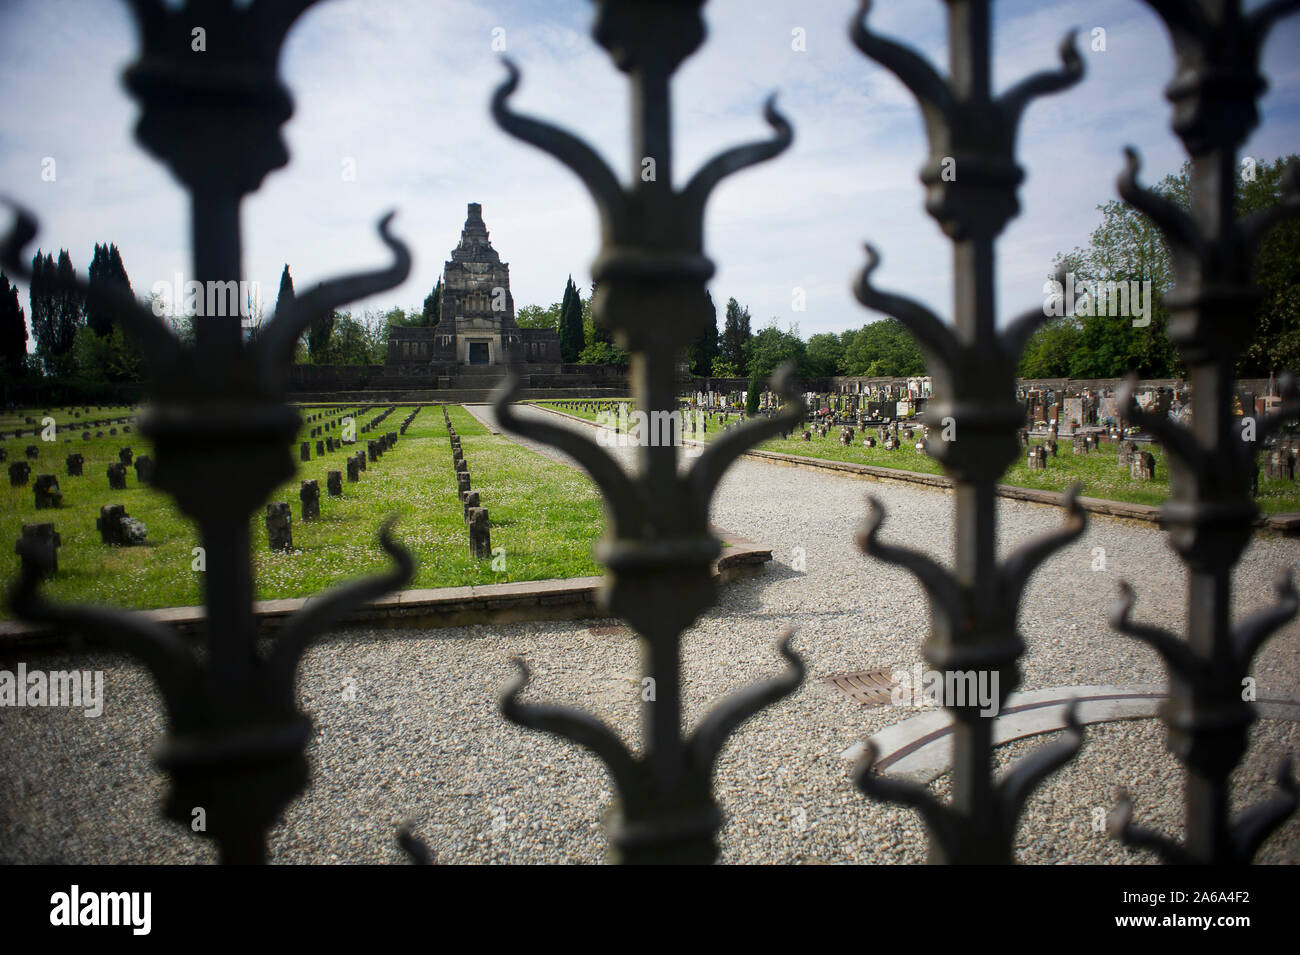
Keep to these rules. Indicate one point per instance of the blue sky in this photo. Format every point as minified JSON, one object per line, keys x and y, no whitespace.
{"x":401,"y":87}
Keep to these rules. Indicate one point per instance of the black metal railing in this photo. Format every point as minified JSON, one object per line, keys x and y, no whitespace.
{"x":236,"y":739}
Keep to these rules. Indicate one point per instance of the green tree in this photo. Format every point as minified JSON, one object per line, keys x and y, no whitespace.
{"x":58,"y":310}
{"x":752,"y":395}
{"x":106,"y":269}
{"x":882,"y":349}
{"x":431,"y":314}
{"x":1049,"y":350}
{"x":1275,"y":346}
{"x":771,"y":347}
{"x":735,"y":335}
{"x":534,"y":316}
{"x":350,"y":344}
{"x":572,"y":339}
{"x":724,"y":369}
{"x":825,"y":354}
{"x":704,"y":349}
{"x":603,"y":353}
{"x":13,"y":330}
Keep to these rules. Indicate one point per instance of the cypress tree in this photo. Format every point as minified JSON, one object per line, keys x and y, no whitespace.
{"x":105,"y":269}
{"x":432,"y":313}
{"x":751,"y":396}
{"x":13,"y":329}
{"x":571,"y":332}
{"x":705,"y":348}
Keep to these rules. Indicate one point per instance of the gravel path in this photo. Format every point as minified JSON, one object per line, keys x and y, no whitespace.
{"x":422,"y":739}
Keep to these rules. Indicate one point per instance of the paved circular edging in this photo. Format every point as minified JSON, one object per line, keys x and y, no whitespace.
{"x":920,"y":748}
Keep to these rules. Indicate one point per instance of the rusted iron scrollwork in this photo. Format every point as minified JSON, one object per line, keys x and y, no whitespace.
{"x":973,"y":417}
{"x":1210,"y":510}
{"x":651,"y":275}
{"x":221,"y":427}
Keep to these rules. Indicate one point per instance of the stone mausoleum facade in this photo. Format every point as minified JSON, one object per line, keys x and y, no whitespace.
{"x":477,"y":325}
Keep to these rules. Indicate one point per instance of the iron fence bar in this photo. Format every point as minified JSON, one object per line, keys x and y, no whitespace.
{"x":971,"y":180}
{"x":236,"y":742}
{"x":1211,"y":463}
{"x":651,"y":274}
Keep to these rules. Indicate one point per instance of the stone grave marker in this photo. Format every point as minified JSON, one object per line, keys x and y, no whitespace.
{"x":309,"y":494}
{"x":1143,"y":467}
{"x":75,"y":462}
{"x":480,"y":537}
{"x":279,"y":526}
{"x":47,"y":492}
{"x":334,"y":483}
{"x":39,"y":549}
{"x":117,"y":477}
{"x":19,"y":472}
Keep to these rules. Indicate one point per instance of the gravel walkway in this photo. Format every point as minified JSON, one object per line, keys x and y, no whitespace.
{"x":421,"y":738}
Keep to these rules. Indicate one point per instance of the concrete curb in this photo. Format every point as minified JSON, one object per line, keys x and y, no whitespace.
{"x":1288,"y":525}
{"x":574,"y":598}
{"x":920,"y":748}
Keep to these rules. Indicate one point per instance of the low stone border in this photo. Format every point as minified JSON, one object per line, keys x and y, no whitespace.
{"x":574,"y":598}
{"x":1287,"y":525}
{"x":920,"y":748}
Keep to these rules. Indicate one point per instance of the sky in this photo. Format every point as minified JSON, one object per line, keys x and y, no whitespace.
{"x":397,"y":91}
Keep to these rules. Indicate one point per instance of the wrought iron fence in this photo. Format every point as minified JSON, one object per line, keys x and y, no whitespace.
{"x":236,"y":739}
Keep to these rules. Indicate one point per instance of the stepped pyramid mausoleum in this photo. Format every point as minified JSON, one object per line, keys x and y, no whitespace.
{"x":477,"y":325}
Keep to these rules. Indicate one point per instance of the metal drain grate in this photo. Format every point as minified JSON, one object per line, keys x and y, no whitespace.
{"x":867,"y":687}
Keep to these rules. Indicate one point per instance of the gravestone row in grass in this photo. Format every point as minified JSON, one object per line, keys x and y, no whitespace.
{"x":279,"y":515}
{"x":476,"y":516}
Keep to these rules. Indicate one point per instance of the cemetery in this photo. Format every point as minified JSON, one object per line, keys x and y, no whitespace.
{"x":544,"y":527}
{"x":870,"y":598}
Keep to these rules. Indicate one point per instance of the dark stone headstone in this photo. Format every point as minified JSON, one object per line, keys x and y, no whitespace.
{"x":279,"y":526}
{"x":19,"y":472}
{"x":361,"y":460}
{"x":471,"y":500}
{"x":32,"y":451}
{"x":320,"y":448}
{"x":309,"y":494}
{"x":1143,"y":467}
{"x":354,"y":470}
{"x":75,"y":462}
{"x":462,"y":483}
{"x":304,"y":451}
{"x":1036,"y":459}
{"x":374,"y":450}
{"x":39,"y":549}
{"x":117,"y":477}
{"x":868,"y":442}
{"x":144,"y":469}
{"x":334,"y":483}
{"x":480,"y":537}
{"x":47,"y":492}
{"x":116,"y":527}
{"x":125,"y":455}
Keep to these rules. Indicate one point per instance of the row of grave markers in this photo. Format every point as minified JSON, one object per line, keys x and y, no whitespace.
{"x":476,"y":516}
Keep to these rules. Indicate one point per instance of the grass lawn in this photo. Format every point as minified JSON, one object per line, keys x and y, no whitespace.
{"x":1098,"y":473}
{"x":544,"y":517}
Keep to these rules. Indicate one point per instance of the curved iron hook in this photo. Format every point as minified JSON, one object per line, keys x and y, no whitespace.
{"x":930,"y":331}
{"x":1020,"y":781}
{"x":604,"y":470}
{"x":157,"y":646}
{"x":1015,"y":572}
{"x":1174,"y":651}
{"x":721,"y":721}
{"x":274,"y":345}
{"x":569,"y":723}
{"x":152,"y":335}
{"x":1253,"y":826}
{"x":312,"y":620}
{"x":713,"y":462}
{"x":930,"y":89}
{"x":1012,"y":103}
{"x":739,"y":157}
{"x":945,"y":594}
{"x":567,"y":148}
{"x":1177,"y":225}
{"x":1249,"y":635}
{"x":1119,"y":823}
